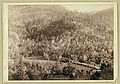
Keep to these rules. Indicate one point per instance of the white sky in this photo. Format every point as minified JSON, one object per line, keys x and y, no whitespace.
{"x":87,"y":7}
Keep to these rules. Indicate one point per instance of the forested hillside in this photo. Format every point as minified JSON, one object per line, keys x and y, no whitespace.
{"x":46,"y":32}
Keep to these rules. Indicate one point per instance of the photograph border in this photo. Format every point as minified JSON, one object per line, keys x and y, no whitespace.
{"x":5,"y":43}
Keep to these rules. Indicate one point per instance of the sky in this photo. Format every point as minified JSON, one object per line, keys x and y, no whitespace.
{"x":87,"y":7}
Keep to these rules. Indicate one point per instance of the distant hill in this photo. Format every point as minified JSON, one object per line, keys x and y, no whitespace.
{"x":105,"y":13}
{"x":105,"y":16}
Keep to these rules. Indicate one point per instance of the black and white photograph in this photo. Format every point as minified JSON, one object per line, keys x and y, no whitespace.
{"x":60,"y":41}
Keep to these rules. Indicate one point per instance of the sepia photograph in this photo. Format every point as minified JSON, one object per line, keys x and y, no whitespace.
{"x":60,"y":41}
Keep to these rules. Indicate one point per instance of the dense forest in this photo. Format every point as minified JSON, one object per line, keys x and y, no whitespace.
{"x":53,"y":33}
